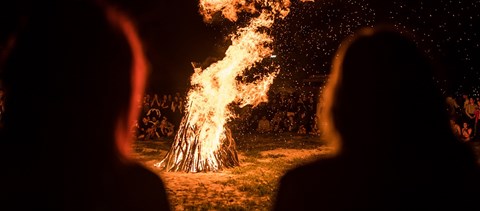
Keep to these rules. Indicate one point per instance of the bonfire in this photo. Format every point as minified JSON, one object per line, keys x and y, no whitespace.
{"x":203,"y":141}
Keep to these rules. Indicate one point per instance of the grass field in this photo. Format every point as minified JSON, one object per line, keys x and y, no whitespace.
{"x":251,"y":186}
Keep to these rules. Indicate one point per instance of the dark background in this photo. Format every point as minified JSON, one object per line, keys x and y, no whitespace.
{"x":175,"y":35}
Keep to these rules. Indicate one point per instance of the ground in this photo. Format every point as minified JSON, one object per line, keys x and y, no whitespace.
{"x":264,"y":158}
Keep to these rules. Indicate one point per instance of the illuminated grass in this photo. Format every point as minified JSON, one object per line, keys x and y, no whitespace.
{"x":251,"y":186}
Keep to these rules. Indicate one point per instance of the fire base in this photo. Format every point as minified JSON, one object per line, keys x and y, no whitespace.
{"x":186,"y":155}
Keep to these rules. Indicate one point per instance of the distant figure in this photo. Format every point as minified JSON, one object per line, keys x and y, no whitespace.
{"x":466,"y":132}
{"x":144,"y":129}
{"x":263,"y":125}
{"x":78,"y":70}
{"x":166,"y":129}
{"x":477,"y":117}
{"x":457,"y":130}
{"x":155,"y":103}
{"x":452,"y":106}
{"x":396,"y":150}
{"x":470,"y":112}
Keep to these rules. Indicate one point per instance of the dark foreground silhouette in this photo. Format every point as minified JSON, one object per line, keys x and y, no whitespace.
{"x":72,"y":80}
{"x":395,"y":148}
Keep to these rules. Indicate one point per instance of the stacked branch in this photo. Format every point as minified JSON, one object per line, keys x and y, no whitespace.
{"x":186,"y":155}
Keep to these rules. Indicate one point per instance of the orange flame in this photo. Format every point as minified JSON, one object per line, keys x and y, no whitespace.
{"x":216,"y":87}
{"x":230,"y":8}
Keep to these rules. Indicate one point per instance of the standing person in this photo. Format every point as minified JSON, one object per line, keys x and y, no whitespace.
{"x":476,"y":132}
{"x":470,"y":112}
{"x":452,"y":106}
{"x":88,"y":62}
{"x":466,"y":101}
{"x":457,"y":131}
{"x":411,"y":163}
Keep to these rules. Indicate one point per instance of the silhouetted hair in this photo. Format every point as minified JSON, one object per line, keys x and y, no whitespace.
{"x":66,"y":62}
{"x":72,"y":77}
{"x":388,"y":120}
{"x":382,"y":84}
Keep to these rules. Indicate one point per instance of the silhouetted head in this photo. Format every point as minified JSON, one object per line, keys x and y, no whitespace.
{"x":381,"y":92}
{"x":76,"y":59}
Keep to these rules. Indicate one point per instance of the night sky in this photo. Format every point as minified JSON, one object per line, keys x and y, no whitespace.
{"x":443,"y":29}
{"x":175,"y":35}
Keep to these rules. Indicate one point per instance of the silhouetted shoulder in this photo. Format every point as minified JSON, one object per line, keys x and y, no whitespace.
{"x":397,"y":151}
{"x":346,"y":184}
{"x":143,"y":189}
{"x":318,"y":184}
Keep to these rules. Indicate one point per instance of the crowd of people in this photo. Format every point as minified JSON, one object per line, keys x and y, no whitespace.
{"x":464,"y":117}
{"x":160,"y":117}
{"x":283,"y":113}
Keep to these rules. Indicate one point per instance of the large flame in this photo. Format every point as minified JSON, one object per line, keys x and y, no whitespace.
{"x":216,"y":87}
{"x":231,"y":8}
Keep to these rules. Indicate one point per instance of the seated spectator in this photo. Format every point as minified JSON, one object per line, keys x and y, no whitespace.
{"x":476,"y":130}
{"x":263,"y":125}
{"x":302,"y":122}
{"x":276,"y":123}
{"x":166,"y":128}
{"x":154,"y":112}
{"x":457,"y":130}
{"x":314,"y":126}
{"x":290,"y":124}
{"x":144,"y":129}
{"x":466,"y":132}
{"x":154,"y":129}
{"x":155,"y":103}
{"x":470,"y":111}
{"x":176,"y":111}
{"x":145,"y":104}
{"x":302,"y":130}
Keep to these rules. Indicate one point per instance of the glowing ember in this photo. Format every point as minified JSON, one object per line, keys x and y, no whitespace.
{"x":203,"y":143}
